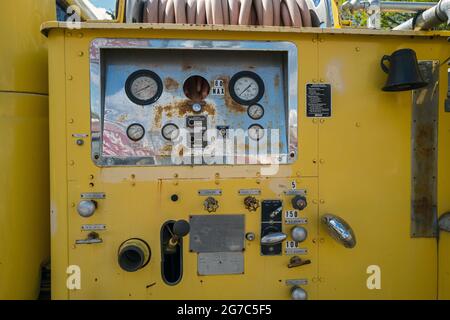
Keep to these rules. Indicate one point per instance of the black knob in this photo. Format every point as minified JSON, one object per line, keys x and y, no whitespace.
{"x":181,"y":228}
{"x":299,"y":202}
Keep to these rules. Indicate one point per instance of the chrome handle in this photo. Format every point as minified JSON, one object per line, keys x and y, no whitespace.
{"x":273,"y":238}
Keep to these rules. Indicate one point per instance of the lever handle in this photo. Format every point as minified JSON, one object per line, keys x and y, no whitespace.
{"x":273,"y":238}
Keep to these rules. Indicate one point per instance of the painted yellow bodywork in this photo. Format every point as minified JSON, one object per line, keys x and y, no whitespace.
{"x":24,"y":182}
{"x":356,"y":164}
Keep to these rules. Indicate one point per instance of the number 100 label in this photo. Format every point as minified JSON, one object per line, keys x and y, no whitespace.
{"x":292,"y":248}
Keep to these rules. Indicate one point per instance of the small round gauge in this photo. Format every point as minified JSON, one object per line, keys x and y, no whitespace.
{"x":135,"y":132}
{"x":170,"y":131}
{"x":246,"y":87}
{"x":255,"y":111}
{"x":256,"y":132}
{"x":144,"y":87}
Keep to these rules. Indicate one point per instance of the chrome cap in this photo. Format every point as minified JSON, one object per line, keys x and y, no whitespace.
{"x":339,"y":230}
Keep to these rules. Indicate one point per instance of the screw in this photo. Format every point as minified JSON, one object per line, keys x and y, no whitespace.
{"x":80,"y":142}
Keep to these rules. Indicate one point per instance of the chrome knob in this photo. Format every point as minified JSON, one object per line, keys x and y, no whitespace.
{"x":299,"y":234}
{"x":86,"y":208}
{"x":273,"y":238}
{"x":298,"y":293}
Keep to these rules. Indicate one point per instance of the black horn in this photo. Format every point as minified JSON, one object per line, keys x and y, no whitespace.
{"x":404,"y":73}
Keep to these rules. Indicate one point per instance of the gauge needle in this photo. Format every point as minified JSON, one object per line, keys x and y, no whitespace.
{"x":245,"y":89}
{"x":139,"y":91}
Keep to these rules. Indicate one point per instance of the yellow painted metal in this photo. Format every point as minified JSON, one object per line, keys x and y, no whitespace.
{"x":23,"y":57}
{"x":356,"y":165}
{"x":24,"y":222}
{"x":24,"y":205}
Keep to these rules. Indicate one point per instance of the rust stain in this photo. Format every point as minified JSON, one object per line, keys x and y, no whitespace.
{"x":232,"y":105}
{"x":180,"y":108}
{"x":171,"y":84}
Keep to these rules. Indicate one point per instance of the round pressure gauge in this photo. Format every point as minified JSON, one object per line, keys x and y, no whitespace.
{"x":144,"y":87}
{"x":246,"y":87}
{"x":135,"y":132}
{"x":170,"y":131}
{"x":255,"y":111}
{"x":256,"y":132}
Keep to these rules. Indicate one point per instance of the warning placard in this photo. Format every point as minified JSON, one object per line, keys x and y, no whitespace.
{"x":318,"y":100}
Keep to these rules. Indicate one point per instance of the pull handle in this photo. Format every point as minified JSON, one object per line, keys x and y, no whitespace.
{"x":383,"y":65}
{"x":273,"y":238}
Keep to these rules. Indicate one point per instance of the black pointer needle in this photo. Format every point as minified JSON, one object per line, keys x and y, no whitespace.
{"x":139,"y":91}
{"x":245,"y":89}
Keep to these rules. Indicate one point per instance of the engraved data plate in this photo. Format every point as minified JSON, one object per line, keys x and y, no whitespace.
{"x":292,"y":217}
{"x":210,"y":192}
{"x":93,"y":227}
{"x":295,"y":192}
{"x":296,"y":282}
{"x":249,"y":192}
{"x":93,"y":195}
{"x":216,"y":263}
{"x":292,"y":248}
{"x":217,"y":233}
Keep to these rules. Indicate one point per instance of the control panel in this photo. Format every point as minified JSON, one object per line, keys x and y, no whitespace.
{"x":161,"y":102}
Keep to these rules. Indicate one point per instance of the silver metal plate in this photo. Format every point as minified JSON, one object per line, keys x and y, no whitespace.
{"x":93,"y":195}
{"x":291,"y":221}
{"x":296,"y":282}
{"x":93,"y":227}
{"x":295,"y":192}
{"x":293,"y":248}
{"x":217,"y":263}
{"x":219,"y":233}
{"x":213,"y":192}
{"x":424,"y":146}
{"x":249,"y":192}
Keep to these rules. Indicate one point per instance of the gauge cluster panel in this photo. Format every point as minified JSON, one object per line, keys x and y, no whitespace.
{"x":151,"y":100}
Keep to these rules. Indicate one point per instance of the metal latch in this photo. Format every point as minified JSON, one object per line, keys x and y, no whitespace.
{"x":92,"y":238}
{"x":296,"y":261}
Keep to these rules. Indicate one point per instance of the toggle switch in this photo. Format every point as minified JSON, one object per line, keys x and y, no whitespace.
{"x":180,"y":229}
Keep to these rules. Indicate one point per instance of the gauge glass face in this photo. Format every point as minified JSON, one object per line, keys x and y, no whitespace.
{"x":170,"y":132}
{"x":256,"y":132}
{"x":143,"y":87}
{"x":135,"y":132}
{"x":246,"y":88}
{"x":255,"y":111}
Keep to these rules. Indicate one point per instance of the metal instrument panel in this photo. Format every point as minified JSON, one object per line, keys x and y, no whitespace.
{"x":216,"y":263}
{"x":174,"y":61}
{"x":223,"y":233}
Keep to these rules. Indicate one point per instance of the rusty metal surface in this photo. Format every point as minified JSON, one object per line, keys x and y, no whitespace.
{"x":424,"y":153}
{"x":113,"y":60}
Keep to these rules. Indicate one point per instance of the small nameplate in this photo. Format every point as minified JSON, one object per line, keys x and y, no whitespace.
{"x":214,"y":192}
{"x":296,"y":282}
{"x":93,"y":195}
{"x":249,"y":192}
{"x":292,"y":248}
{"x":92,"y":227}
{"x":295,"y":192}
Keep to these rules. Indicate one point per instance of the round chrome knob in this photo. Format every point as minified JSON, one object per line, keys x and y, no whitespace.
{"x":86,"y":208}
{"x":298,"y":293}
{"x":299,"y":234}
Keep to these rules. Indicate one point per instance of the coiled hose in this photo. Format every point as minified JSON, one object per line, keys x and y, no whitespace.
{"x":290,"y":13}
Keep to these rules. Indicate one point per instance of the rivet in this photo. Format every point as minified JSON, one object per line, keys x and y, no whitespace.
{"x":314,"y":120}
{"x":314,"y":40}
{"x":358,"y":124}
{"x":322,"y":240}
{"x":315,"y":201}
{"x":80,"y":35}
{"x":71,"y":121}
{"x":80,"y":142}
{"x":258,"y":181}
{"x":322,"y":201}
{"x":322,"y":161}
{"x":72,"y":204}
{"x":71,"y":162}
{"x":81,"y":53}
{"x":70,"y":77}
{"x":322,"y":80}
{"x":175,"y":175}
{"x":321,"y":40}
{"x":314,"y":80}
{"x":314,"y":240}
{"x":357,"y":49}
{"x":91,"y":177}
{"x":322,"y":120}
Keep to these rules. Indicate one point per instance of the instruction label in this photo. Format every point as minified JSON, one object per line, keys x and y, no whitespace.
{"x":318,"y":100}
